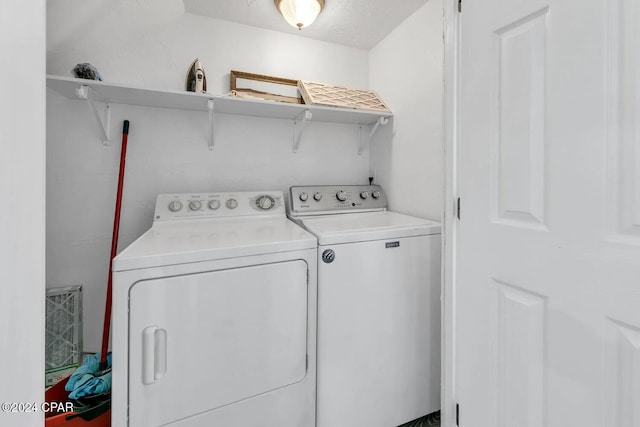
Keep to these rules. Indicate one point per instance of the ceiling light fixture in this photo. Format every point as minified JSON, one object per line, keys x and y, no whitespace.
{"x":299,"y":13}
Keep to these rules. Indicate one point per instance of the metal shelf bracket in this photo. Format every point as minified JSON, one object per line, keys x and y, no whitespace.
{"x":212,"y":113}
{"x":298,"y":125}
{"x":85,"y":92}
{"x":365,"y":139}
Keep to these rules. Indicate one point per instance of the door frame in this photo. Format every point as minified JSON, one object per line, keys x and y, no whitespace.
{"x":449,"y":215}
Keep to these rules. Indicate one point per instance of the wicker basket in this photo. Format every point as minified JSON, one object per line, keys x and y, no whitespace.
{"x":340,"y":96}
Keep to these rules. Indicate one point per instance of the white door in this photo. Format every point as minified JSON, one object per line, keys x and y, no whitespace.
{"x":548,"y":252}
{"x":201,"y":343}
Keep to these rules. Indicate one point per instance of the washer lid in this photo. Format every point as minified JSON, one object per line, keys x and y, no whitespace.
{"x":195,"y":241}
{"x":361,"y":227}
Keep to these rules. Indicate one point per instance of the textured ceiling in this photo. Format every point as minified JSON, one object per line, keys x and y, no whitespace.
{"x":356,"y":23}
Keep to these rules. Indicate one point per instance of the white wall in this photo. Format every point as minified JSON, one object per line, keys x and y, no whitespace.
{"x":168,"y":149}
{"x":406,"y":69}
{"x":150,"y":48}
{"x":22,"y":208}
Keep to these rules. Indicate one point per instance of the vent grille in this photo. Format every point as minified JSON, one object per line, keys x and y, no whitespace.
{"x":63,"y":340}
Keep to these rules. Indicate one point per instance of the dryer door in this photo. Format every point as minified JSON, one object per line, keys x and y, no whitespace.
{"x":201,"y":341}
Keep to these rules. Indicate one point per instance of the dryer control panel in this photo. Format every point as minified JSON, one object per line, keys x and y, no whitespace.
{"x":319,"y":200}
{"x":218,"y":205}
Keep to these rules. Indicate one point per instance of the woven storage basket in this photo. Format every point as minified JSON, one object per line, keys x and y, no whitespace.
{"x":340,"y":96}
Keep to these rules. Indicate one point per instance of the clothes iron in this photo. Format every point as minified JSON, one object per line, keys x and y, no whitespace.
{"x":196,"y":80}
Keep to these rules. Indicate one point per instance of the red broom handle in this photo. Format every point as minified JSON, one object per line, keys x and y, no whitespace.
{"x":114,"y":247}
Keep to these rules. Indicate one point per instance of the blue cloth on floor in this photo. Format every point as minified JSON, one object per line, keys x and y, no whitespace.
{"x":84,"y":382}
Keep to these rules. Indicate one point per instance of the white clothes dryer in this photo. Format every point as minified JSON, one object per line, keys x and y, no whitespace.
{"x":214,"y":316}
{"x":378,"y":307}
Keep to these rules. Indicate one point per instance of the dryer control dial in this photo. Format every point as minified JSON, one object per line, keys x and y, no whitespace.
{"x":364,"y":195}
{"x":317,"y":196}
{"x":341,"y":195}
{"x":214,"y":204}
{"x":175,"y":206}
{"x":303,"y":197}
{"x":265,"y":202}
{"x":232,"y":203}
{"x":195,"y":205}
{"x":376,"y":194}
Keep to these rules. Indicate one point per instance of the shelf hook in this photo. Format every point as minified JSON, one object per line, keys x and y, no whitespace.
{"x":381,"y":121}
{"x":210,"y":107}
{"x":85,"y":92}
{"x":299,"y":125}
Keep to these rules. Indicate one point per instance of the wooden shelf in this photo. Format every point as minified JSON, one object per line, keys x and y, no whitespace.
{"x":110,"y":93}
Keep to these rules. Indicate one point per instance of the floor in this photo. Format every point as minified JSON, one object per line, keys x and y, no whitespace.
{"x":431,"y":420}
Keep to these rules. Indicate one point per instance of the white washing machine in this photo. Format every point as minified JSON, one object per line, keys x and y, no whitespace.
{"x":214,"y":316}
{"x":378,"y":307}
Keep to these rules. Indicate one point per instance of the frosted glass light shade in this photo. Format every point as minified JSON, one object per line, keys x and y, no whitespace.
{"x":300,"y":13}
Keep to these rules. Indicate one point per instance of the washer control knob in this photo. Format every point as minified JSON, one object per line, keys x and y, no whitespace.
{"x":317,"y":196}
{"x":304,"y":197}
{"x":341,"y":195}
{"x":175,"y":206}
{"x":232,"y":203}
{"x":376,"y":194}
{"x":328,"y":256}
{"x":364,"y":195}
{"x":214,"y":204}
{"x":195,"y":205}
{"x":265,"y":202}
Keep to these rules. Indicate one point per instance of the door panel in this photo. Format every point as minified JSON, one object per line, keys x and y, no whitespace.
{"x":623,"y":385}
{"x":548,"y":251}
{"x":201,"y":341}
{"x":518,"y":193}
{"x":521,"y":356}
{"x":624,"y":126}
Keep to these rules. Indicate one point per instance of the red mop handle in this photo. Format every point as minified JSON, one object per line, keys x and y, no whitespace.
{"x":114,"y":247}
